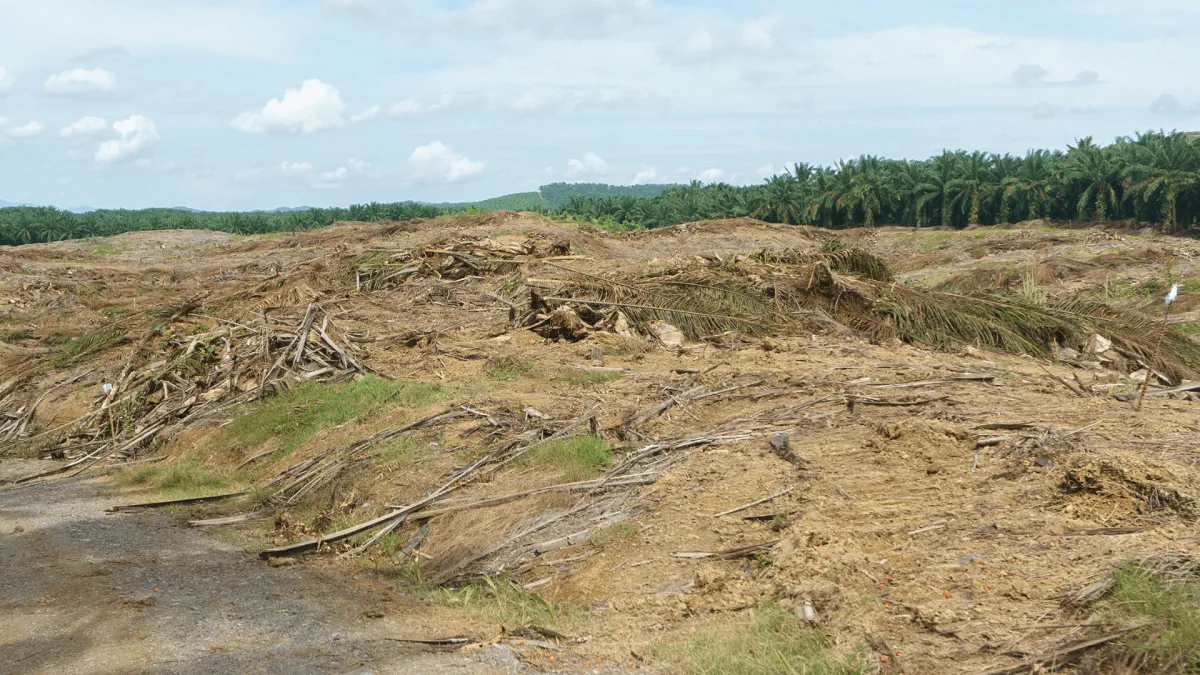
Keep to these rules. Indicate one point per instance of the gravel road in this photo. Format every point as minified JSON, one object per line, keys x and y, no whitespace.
{"x":83,"y":591}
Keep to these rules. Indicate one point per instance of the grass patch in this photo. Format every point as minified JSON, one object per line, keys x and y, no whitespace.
{"x":508,"y":368}
{"x":294,"y":417}
{"x":576,"y":459}
{"x":586,"y":377}
{"x":185,"y":478}
{"x":77,"y":348}
{"x":1187,"y":329}
{"x":772,"y":643}
{"x":401,"y":450}
{"x":613,"y":533}
{"x":498,"y":600}
{"x":1172,"y":642}
{"x":13,"y":335}
{"x":114,"y":312}
{"x":103,"y":248}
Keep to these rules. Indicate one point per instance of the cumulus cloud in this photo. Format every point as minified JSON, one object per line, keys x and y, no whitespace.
{"x":1027,"y":74}
{"x":80,"y":82}
{"x":436,"y":162}
{"x":645,"y":176}
{"x":313,"y":106}
{"x":10,"y":131}
{"x":136,"y":137}
{"x":307,"y":174}
{"x":84,"y":127}
{"x":711,"y":176}
{"x":295,"y":168}
{"x":590,"y":163}
{"x":765,"y":171}
{"x":7,"y":81}
{"x":1086,"y":77}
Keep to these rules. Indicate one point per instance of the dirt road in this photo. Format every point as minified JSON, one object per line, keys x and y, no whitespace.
{"x":82,"y":591}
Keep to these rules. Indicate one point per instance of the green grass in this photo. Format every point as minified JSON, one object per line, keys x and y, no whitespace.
{"x":1172,"y":607}
{"x":19,"y":334}
{"x":1187,"y":329}
{"x":586,"y":377}
{"x":185,"y":478}
{"x":401,"y":450}
{"x":613,"y":533}
{"x":114,"y":312}
{"x":576,"y":459}
{"x":103,"y":248}
{"x":771,"y":643}
{"x":76,"y":348}
{"x":507,"y":368}
{"x":498,"y":600}
{"x":294,"y":417}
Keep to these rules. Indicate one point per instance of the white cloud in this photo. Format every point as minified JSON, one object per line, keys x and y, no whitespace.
{"x":590,"y":163}
{"x":564,"y":101}
{"x":436,"y":162}
{"x":84,"y":127}
{"x":411,"y":107}
{"x":711,"y":176}
{"x":80,"y":81}
{"x":1085,"y":77}
{"x":27,"y":130}
{"x":8,"y":131}
{"x":295,"y":168}
{"x":765,"y":171}
{"x":313,"y":106}
{"x":7,"y":81}
{"x":645,"y":176}
{"x":137,"y":137}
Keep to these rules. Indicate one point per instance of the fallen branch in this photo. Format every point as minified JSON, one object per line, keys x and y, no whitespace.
{"x":1062,"y":656}
{"x":752,"y":504}
{"x":175,"y":502}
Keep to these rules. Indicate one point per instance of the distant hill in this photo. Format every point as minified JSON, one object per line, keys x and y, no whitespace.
{"x":558,"y":194}
{"x":520,"y":201}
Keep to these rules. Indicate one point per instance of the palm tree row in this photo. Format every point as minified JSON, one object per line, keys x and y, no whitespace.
{"x":1152,"y":177}
{"x":23,"y":225}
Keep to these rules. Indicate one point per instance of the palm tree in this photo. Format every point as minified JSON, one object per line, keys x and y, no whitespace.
{"x":972,"y":184}
{"x":935,"y":191}
{"x":783,"y":200}
{"x":1098,"y":171}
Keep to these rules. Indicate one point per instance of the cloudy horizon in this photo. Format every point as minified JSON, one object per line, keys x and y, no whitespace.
{"x":257,"y":104}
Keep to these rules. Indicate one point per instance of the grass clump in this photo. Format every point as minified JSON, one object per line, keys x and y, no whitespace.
{"x":1171,"y":643}
{"x":613,"y":533}
{"x":187,"y":477}
{"x":500,"y":600}
{"x":294,"y":417}
{"x":585,"y":377}
{"x":771,"y":643}
{"x":507,"y":368}
{"x":76,"y":349}
{"x":575,"y":459}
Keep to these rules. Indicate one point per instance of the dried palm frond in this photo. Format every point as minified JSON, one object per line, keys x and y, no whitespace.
{"x":698,"y":303}
{"x":853,"y":260}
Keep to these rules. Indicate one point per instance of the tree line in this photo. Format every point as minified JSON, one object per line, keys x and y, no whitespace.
{"x":1152,"y":178}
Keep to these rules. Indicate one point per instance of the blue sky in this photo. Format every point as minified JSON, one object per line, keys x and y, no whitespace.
{"x":244,"y":104}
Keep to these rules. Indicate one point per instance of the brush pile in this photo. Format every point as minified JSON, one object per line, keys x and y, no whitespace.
{"x":159,"y":391}
{"x":380,"y":269}
{"x":793,"y":292}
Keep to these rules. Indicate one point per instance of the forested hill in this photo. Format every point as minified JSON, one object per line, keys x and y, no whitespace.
{"x":558,"y":194}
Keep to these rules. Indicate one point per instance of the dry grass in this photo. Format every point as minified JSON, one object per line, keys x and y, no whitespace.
{"x":772,"y":642}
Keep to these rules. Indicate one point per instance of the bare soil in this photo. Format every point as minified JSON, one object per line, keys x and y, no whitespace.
{"x":919,"y":529}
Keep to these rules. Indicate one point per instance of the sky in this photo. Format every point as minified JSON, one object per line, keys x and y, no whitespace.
{"x":256,"y":104}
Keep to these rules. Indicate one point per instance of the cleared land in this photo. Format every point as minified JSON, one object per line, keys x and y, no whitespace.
{"x":935,"y":510}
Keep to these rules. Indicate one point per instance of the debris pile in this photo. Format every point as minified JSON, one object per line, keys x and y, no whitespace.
{"x":158,"y":392}
{"x":380,"y":269}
